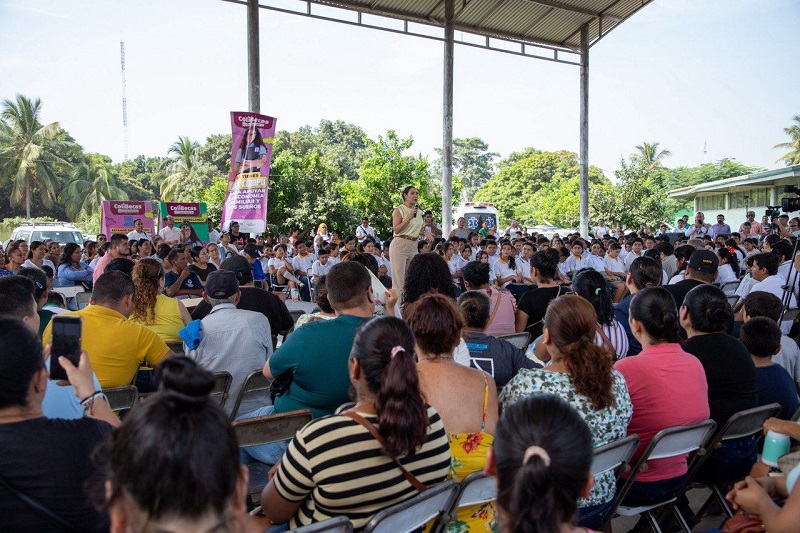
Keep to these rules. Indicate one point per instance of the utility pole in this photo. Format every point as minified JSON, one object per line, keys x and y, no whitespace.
{"x":124,"y":100}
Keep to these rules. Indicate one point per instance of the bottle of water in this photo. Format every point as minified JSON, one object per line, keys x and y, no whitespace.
{"x":295,"y":295}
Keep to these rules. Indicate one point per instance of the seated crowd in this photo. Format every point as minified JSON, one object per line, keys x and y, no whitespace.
{"x":408,"y":385}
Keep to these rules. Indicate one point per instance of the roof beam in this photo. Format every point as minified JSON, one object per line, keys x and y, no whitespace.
{"x":573,"y":9}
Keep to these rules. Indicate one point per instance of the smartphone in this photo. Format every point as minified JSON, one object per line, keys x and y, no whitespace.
{"x":66,"y":341}
{"x":258,"y":284}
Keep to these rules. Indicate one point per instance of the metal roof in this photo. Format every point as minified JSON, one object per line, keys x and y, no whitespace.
{"x":748,"y":181}
{"x":555,"y":23}
{"x":543,"y":29}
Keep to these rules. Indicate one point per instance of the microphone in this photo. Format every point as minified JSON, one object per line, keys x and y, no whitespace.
{"x":417,"y":210}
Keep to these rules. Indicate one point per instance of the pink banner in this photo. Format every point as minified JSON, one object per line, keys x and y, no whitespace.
{"x":119,"y":216}
{"x":248,"y":181}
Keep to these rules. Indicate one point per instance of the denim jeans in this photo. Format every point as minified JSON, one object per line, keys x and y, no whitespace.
{"x":595,"y":516}
{"x":305,"y":291}
{"x":730,"y":462}
{"x":644,"y":493}
{"x":269,"y":454}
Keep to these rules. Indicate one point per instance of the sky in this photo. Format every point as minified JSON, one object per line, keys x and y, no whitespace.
{"x":721,"y":73}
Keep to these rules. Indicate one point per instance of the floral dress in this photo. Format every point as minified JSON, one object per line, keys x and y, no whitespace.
{"x":607,"y":425}
{"x":468,"y":454}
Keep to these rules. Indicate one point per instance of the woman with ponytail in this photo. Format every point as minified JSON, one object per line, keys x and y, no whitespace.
{"x":466,"y":398}
{"x":667,"y":387}
{"x":337,"y":466}
{"x":174,"y":463}
{"x":582,"y":373}
{"x":541,"y":459}
{"x":610,"y":335}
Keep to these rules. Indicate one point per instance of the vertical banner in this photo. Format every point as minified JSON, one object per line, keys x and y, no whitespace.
{"x":194,"y":214}
{"x":248,"y":180}
{"x":118,"y":216}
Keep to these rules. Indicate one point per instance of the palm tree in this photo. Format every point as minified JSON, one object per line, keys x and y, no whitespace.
{"x":28,"y":152}
{"x":88,"y":186}
{"x":792,"y":157}
{"x":185,"y":158}
{"x":649,"y":157}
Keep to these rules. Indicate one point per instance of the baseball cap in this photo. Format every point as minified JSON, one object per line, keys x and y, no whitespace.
{"x":221,"y":284}
{"x":240,"y":266}
{"x":704,"y":261}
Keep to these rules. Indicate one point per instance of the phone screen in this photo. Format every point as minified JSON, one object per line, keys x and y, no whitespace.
{"x":67,"y":342}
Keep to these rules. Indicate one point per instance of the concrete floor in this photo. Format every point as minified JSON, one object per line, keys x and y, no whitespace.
{"x":697,"y":498}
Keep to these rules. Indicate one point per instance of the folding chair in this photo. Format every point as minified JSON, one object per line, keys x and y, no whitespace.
{"x":475,"y":489}
{"x":615,"y":456}
{"x":176,"y":347}
{"x":790,"y":315}
{"x":337,"y":524}
{"x":222,"y":383}
{"x":413,"y":514}
{"x":255,"y":382}
{"x":732,"y":299}
{"x":668,"y":442}
{"x":520,"y":340}
{"x":742,"y":424}
{"x":729,"y":288}
{"x":266,"y":430}
{"x":121,"y":398}
{"x":82,"y":299}
{"x":344,"y":407}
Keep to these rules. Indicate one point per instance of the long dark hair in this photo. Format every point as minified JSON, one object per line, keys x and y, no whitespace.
{"x":426,"y":273}
{"x":709,"y":310}
{"x":731,"y":258}
{"x":176,"y":455}
{"x":539,"y":488}
{"x":511,"y":261}
{"x":572,"y":324}
{"x":69,"y":249}
{"x":392,"y":375}
{"x":655,"y":308}
{"x":591,"y":285}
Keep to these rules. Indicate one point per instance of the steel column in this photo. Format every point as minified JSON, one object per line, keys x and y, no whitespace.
{"x":253,"y":65}
{"x":447,"y":119}
{"x":584,"y":132}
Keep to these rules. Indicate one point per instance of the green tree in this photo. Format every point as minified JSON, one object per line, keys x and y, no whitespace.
{"x":383,"y":175}
{"x":184,"y":159}
{"x":473,"y":164}
{"x":29,"y":152}
{"x":217,"y":152}
{"x":214,"y":197}
{"x":514,"y":188}
{"x":792,"y":157}
{"x":637,"y":199}
{"x":90,"y":184}
{"x":648,"y":156}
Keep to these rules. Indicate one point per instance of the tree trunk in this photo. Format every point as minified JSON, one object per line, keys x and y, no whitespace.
{"x":28,"y":198}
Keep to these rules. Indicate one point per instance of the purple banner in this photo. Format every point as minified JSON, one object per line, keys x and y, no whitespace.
{"x":248,"y":181}
{"x":118,"y":216}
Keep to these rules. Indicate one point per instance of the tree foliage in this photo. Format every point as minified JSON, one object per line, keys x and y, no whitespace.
{"x":648,"y":156}
{"x":90,"y":184}
{"x":792,"y":157}
{"x":473,"y":165}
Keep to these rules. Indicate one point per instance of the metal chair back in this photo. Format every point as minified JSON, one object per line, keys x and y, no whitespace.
{"x":121,"y":398}
{"x":730,"y":287}
{"x":82,"y":299}
{"x":255,"y":382}
{"x":413,"y":514}
{"x":520,"y":340}
{"x":614,"y":456}
{"x":222,"y":383}
{"x":337,"y":524}
{"x":475,"y":489}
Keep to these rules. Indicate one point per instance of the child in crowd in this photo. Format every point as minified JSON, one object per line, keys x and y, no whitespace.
{"x":575,"y":261}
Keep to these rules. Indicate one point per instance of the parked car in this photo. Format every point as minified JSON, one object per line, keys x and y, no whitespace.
{"x":60,"y":232}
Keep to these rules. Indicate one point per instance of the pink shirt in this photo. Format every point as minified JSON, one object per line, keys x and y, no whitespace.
{"x":504,"y":320}
{"x":102,"y":263}
{"x":668,"y":388}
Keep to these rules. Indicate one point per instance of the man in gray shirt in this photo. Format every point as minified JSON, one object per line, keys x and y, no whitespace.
{"x":232,"y":340}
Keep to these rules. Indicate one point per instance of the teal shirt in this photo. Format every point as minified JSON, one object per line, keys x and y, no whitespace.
{"x":317,"y":353}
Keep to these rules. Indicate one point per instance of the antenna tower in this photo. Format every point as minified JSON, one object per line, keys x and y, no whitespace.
{"x":705,"y":152}
{"x":124,"y":100}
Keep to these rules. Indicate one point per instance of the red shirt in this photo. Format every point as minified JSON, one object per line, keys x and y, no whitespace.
{"x":668,"y":388}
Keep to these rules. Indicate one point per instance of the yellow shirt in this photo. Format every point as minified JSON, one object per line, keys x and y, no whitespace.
{"x":116,"y":346}
{"x":414,"y":226}
{"x":168,"y":319}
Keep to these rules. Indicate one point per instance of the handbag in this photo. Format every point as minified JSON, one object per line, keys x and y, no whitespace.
{"x":280,"y":385}
{"x":374,"y":432}
{"x":743,"y":522}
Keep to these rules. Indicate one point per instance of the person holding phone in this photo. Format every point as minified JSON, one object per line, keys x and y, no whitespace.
{"x":36,"y":448}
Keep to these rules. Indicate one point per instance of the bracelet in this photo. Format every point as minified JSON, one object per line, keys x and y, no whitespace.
{"x":89,"y":399}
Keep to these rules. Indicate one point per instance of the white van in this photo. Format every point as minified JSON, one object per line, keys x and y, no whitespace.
{"x":60,"y":232}
{"x":476,"y":213}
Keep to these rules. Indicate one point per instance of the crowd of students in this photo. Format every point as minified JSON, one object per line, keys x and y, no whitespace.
{"x":630,"y":334}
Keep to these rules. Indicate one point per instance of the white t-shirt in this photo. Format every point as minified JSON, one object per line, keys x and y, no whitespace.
{"x":630,"y":258}
{"x":303,"y":264}
{"x":601,"y":230}
{"x":574,"y":263}
{"x":503,"y":270}
{"x":725,"y":274}
{"x":318,"y":269}
{"x":213,"y":236}
{"x":362,"y":232}
{"x":137,"y":235}
{"x":454,"y":264}
{"x":279,"y":263}
{"x":614,"y":265}
{"x":171,"y":235}
{"x":774,"y":285}
{"x":524,"y":267}
{"x":596,"y":263}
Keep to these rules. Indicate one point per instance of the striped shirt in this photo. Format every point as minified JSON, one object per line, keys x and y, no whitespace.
{"x":616,"y":336}
{"x":335,"y":467}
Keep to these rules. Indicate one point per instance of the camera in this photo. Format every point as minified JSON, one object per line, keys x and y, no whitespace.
{"x":790,"y":203}
{"x":773,"y":211}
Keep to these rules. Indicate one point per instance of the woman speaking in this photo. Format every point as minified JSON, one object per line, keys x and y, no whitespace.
{"x":406,"y":225}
